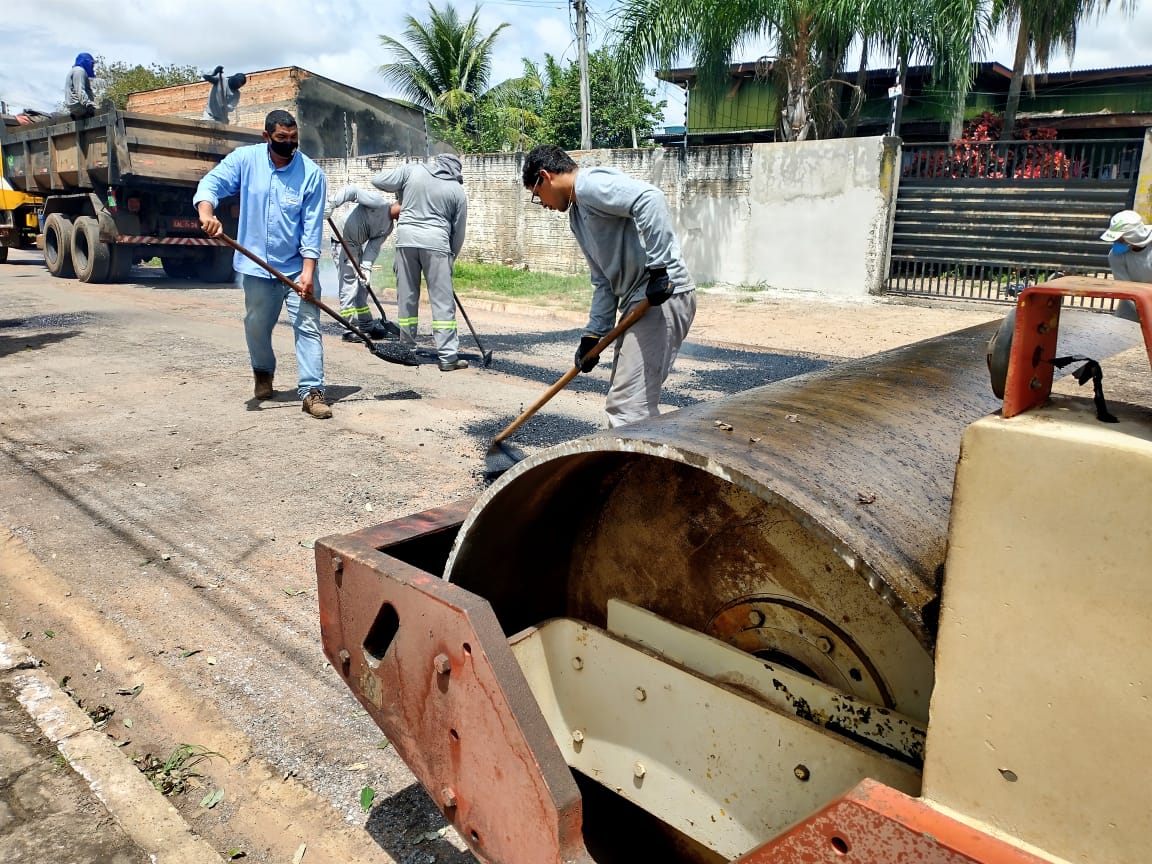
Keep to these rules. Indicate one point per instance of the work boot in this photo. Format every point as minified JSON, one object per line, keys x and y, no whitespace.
{"x":349,"y":336}
{"x":379,"y":330}
{"x":315,"y":405}
{"x":453,"y":365}
{"x":263,"y":385}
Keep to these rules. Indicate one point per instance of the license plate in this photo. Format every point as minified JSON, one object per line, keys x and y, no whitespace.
{"x":186,"y":224}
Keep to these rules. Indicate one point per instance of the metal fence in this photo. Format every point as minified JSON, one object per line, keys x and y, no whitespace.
{"x":980,"y":220}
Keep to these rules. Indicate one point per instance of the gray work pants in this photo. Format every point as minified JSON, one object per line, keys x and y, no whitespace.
{"x":353,"y":297}
{"x":643,"y":358}
{"x":437,"y":269}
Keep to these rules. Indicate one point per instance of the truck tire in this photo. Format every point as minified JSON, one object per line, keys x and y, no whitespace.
{"x":215,"y":266}
{"x":178,"y":268}
{"x":91,"y":256}
{"x":58,"y":246}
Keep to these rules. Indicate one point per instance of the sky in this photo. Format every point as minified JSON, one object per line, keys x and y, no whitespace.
{"x":340,"y":39}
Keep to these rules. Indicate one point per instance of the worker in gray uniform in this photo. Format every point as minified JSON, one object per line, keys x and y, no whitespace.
{"x":1131,"y":255}
{"x":78,"y":98}
{"x":428,"y":240}
{"x":625,"y":230}
{"x":224,"y":95}
{"x":365,"y":230}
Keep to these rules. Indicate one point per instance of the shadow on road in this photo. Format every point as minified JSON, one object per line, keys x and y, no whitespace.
{"x":404,"y":823}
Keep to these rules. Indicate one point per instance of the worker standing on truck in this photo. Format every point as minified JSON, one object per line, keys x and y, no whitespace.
{"x":282,"y":195}
{"x":1131,"y":255}
{"x":78,"y":98}
{"x":624,"y":228}
{"x":428,"y":241}
{"x":224,"y":95}
{"x":365,"y":230}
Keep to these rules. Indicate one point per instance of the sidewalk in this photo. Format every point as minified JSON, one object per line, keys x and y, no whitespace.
{"x":67,"y":795}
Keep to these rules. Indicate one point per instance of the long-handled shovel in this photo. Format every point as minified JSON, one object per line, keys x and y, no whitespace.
{"x":364,"y":280}
{"x":501,"y":456}
{"x":392,"y":352}
{"x":486,"y":355}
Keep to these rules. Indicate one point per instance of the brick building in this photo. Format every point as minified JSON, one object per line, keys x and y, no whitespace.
{"x":335,"y":120}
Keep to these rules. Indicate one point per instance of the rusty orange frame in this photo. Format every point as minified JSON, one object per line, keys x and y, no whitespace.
{"x":1037,"y":322}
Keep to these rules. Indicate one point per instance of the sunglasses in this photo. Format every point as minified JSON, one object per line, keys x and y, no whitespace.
{"x":535,"y":186}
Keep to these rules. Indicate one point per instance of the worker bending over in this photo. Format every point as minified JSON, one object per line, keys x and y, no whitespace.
{"x":364,"y":231}
{"x":625,"y":231}
{"x":78,"y":98}
{"x":224,"y":95}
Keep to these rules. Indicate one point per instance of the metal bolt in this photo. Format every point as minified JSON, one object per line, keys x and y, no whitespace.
{"x":1042,"y":328}
{"x":1034,"y":384}
{"x":577,"y":663}
{"x":442,"y":664}
{"x":756,"y":618}
{"x":638,"y":770}
{"x":802,"y":773}
{"x":448,"y":797}
{"x":345,"y":661}
{"x":337,"y":563}
{"x":641,"y":695}
{"x":824,"y":644}
{"x":577,"y":736}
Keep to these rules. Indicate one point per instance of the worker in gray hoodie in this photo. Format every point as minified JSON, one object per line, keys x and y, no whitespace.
{"x":78,"y":99}
{"x":224,"y":95}
{"x":364,"y":231}
{"x":624,"y":228}
{"x":429,"y":237}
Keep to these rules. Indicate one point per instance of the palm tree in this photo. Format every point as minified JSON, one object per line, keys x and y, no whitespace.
{"x":443,"y":66}
{"x":1042,"y":26}
{"x":811,"y":38}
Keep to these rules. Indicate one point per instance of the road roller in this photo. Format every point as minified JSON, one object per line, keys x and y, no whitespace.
{"x":870,"y":614}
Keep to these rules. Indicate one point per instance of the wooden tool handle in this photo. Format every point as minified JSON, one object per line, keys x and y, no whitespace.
{"x":289,"y":283}
{"x":631,"y":318}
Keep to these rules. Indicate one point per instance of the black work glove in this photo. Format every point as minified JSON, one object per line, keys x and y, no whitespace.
{"x":587,"y":343}
{"x":659,"y":288}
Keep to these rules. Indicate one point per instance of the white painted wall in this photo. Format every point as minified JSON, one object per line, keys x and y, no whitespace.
{"x":812,"y":216}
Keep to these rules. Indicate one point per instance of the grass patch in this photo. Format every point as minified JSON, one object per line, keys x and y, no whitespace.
{"x":498,"y":282}
{"x":495,"y":281}
{"x":176,"y":774}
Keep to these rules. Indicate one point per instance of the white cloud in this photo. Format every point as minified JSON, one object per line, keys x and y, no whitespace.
{"x":339,"y":39}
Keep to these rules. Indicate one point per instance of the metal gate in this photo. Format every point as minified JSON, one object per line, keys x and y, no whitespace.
{"x":981,"y":220}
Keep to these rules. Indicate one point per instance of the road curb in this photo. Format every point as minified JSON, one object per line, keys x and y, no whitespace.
{"x":148,"y":819}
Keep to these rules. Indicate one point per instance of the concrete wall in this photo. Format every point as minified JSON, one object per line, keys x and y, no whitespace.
{"x":811,"y":216}
{"x":334,"y":119}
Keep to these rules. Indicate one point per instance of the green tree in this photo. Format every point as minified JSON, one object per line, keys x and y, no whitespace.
{"x":117,"y":80}
{"x":811,"y":40}
{"x":1042,"y":26}
{"x":624,"y":112}
{"x":443,"y":65}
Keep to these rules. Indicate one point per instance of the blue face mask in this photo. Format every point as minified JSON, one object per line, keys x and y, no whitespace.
{"x":1119,"y":248}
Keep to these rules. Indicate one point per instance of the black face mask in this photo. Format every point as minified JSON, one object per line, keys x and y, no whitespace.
{"x":284,"y":148}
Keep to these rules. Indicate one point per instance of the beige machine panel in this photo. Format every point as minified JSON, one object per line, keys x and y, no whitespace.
{"x":1041,"y":719}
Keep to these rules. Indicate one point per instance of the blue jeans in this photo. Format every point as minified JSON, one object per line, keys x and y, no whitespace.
{"x":262,"y":301}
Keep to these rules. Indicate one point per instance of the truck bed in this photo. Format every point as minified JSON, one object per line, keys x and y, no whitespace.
{"x":114,"y":148}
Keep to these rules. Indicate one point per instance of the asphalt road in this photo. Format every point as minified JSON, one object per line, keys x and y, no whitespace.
{"x":157,"y":527}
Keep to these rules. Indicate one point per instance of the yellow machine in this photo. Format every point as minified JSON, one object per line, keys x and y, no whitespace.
{"x":18,"y":214}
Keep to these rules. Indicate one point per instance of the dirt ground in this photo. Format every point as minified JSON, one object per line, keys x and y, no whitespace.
{"x":157,"y":523}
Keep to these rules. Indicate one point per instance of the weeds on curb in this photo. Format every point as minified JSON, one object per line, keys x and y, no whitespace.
{"x":174,"y":775}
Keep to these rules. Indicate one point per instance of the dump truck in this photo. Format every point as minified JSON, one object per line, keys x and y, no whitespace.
{"x":869,"y":614}
{"x":117,"y":189}
{"x":18,"y":210}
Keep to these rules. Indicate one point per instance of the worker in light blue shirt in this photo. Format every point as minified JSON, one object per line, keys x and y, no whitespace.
{"x":282,"y":195}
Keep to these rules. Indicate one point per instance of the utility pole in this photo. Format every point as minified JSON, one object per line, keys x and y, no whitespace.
{"x":581,"y":8}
